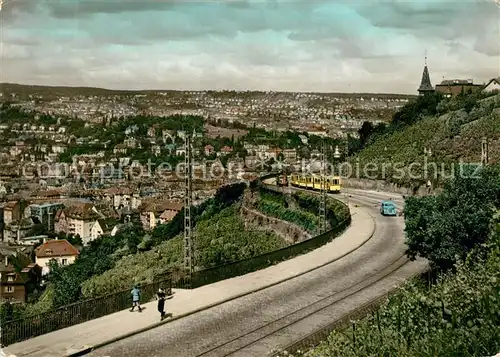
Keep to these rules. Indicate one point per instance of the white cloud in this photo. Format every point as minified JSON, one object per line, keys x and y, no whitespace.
{"x":309,"y":46}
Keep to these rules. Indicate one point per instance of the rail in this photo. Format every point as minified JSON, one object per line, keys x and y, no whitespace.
{"x":315,"y":338}
{"x":31,"y":326}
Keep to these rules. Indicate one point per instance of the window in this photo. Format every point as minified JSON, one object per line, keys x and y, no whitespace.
{"x":9,"y":289}
{"x":64,"y":261}
{"x":10,"y":278}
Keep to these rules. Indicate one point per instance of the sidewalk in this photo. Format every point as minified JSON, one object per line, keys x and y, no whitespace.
{"x":77,"y":339}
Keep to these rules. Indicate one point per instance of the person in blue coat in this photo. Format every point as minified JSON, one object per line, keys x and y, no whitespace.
{"x":136,"y":297}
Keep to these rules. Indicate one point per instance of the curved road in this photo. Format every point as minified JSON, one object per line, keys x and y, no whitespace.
{"x":196,"y":334}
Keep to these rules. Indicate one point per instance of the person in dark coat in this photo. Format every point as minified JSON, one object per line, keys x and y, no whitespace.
{"x":160,"y":296}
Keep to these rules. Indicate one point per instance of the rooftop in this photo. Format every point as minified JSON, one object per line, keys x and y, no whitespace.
{"x":160,"y":206}
{"x":447,"y":82}
{"x":425,"y":84}
{"x":56,"y":248}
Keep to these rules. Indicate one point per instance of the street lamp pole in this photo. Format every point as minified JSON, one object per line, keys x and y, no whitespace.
{"x":427,"y":155}
{"x":337,"y":157}
{"x":322,"y":206}
{"x":346,"y":156}
{"x":484,"y":152}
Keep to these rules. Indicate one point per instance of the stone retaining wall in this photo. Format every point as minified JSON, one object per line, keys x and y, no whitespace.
{"x":289,"y":231}
{"x":379,"y":185}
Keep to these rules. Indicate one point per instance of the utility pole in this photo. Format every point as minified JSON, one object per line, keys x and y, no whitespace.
{"x":346,"y":156}
{"x":484,"y":152}
{"x":188,"y":200}
{"x":322,"y":205}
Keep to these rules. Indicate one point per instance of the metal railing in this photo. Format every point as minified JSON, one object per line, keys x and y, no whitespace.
{"x":66,"y":316}
{"x":245,"y":266}
{"x":22,"y":329}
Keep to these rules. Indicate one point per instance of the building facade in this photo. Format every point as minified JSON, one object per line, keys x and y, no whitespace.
{"x":492,"y":86}
{"x":454,"y":87}
{"x":425,"y":83}
{"x":18,"y":276}
{"x":45,"y":214}
{"x":77,"y":220}
{"x":59,"y":250}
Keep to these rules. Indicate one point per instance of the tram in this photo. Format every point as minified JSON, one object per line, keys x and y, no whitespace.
{"x":312,"y":182}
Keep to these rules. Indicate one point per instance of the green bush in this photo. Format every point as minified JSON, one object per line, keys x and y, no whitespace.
{"x":304,"y":210}
{"x":225,"y":240}
{"x":102,"y":254}
{"x":272,"y":196}
{"x":453,"y":136}
{"x":458,"y":316}
{"x":336,"y":211}
{"x":446,"y":227}
{"x":142,"y":267}
{"x":220,"y":240}
{"x":305,"y":220}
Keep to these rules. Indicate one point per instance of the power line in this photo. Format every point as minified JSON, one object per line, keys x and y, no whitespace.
{"x":322,"y":206}
{"x":188,"y":200}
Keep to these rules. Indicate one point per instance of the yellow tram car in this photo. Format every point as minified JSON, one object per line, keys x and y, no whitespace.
{"x":313,"y":182}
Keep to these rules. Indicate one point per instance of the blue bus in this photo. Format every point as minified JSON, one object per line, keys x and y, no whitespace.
{"x":388,"y":208}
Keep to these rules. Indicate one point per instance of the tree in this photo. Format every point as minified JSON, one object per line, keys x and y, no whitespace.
{"x":469,"y":102}
{"x":412,"y":112}
{"x":454,"y":127}
{"x":37,"y":229}
{"x":66,"y":282}
{"x":74,"y":240}
{"x":365,"y":132}
{"x":132,"y":235}
{"x":445,"y":228}
{"x":305,"y":153}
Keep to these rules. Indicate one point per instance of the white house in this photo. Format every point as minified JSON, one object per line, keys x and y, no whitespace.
{"x":96,"y":231}
{"x":78,"y":220}
{"x":493,"y":85}
{"x":59,"y":250}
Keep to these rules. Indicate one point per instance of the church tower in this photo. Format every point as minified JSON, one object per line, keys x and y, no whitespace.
{"x":425,"y":84}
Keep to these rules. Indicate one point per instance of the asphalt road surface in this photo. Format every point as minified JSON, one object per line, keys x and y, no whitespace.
{"x":198,"y":333}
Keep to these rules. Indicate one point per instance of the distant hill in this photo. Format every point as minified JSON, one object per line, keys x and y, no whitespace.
{"x":23,"y":91}
{"x":453,"y":137}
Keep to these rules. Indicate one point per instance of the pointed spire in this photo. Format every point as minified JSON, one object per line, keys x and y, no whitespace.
{"x":425,"y":84}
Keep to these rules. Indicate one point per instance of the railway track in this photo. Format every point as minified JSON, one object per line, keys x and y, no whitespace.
{"x":288,"y":315}
{"x":246,"y":341}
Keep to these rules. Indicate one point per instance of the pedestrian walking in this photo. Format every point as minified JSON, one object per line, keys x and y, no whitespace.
{"x":160,"y":296}
{"x":136,"y":297}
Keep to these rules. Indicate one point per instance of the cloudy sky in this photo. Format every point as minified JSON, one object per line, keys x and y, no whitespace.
{"x":309,"y":45}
